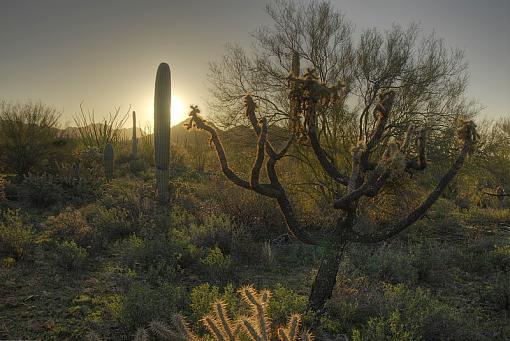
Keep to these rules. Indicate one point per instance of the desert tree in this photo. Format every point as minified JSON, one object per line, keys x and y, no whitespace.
{"x":430,"y":79}
{"x":375,"y":161}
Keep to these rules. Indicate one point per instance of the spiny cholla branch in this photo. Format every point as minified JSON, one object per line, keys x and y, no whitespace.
{"x":468,"y":136}
{"x":367,"y":177}
{"x":274,"y":189}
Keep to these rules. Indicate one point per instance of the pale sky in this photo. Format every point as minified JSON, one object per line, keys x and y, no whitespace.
{"x":105,"y":52}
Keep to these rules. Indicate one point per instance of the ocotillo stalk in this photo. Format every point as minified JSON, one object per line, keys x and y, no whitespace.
{"x":134,"y":141}
{"x":162,"y":97}
{"x":108,"y":161}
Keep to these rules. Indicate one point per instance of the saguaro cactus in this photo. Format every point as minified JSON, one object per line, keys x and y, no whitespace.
{"x":134,"y":141}
{"x":108,"y":161}
{"x":162,"y":98}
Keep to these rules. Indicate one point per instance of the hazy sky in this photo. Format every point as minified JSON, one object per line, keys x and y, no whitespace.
{"x":105,"y":52}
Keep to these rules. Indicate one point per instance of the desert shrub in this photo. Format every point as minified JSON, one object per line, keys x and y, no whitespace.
{"x":16,"y":237}
{"x":442,"y":220}
{"x":69,"y":255}
{"x":79,"y":182}
{"x":496,"y":294}
{"x":387,"y":263}
{"x":219,"y":231}
{"x":144,"y":303}
{"x":69,"y":225}
{"x":215,"y":231}
{"x":40,"y":190}
{"x":486,"y":216}
{"x":109,"y":224}
{"x":202,"y":296}
{"x":435,"y":261}
{"x":409,"y":314}
{"x":245,"y":208}
{"x":134,"y":197}
{"x":216,"y":265}
{"x":285,"y":302}
{"x":354,"y":300}
{"x":29,"y":137}
{"x":156,"y":258}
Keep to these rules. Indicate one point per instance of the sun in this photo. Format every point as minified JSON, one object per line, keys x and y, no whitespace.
{"x":177,"y":111}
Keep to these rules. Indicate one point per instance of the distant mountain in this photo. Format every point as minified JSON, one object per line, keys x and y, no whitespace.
{"x":241,"y":136}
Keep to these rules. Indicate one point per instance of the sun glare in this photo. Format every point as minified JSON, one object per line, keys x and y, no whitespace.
{"x":177,"y":109}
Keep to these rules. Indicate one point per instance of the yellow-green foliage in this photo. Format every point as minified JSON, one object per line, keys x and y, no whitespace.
{"x":68,"y":225}
{"x":16,"y":237}
{"x":255,"y":326}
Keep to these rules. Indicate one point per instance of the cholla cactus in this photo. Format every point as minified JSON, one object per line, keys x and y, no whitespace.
{"x":108,"y":161}
{"x":256,"y":326}
{"x":219,"y":324}
{"x":162,"y":97}
{"x":370,"y":171}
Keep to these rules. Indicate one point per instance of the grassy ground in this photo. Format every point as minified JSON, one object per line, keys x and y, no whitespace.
{"x":447,"y":279}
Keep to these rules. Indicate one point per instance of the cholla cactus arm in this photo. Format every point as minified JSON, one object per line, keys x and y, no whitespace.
{"x":230,"y":329}
{"x":259,"y":160}
{"x":212,"y":325}
{"x":307,"y":336}
{"x":183,"y":333}
{"x":291,"y":331}
{"x":274,"y":189}
{"x":468,"y":136}
{"x":250,"y":329}
{"x":259,"y":318}
{"x":300,"y":86}
{"x":183,"y":328}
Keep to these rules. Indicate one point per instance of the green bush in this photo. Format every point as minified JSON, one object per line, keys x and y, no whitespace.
{"x":156,"y":258}
{"x":109,"y":224}
{"x":202,"y":297}
{"x":285,"y":302}
{"x":387,"y":263}
{"x":69,"y":255}
{"x":215,"y":231}
{"x":217,"y":266}
{"x":144,"y":303}
{"x":261,"y":216}
{"x":40,"y":190}
{"x":78,"y":180}
{"x":414,"y":315}
{"x":16,"y":238}
{"x":435,"y":262}
{"x":69,"y":225}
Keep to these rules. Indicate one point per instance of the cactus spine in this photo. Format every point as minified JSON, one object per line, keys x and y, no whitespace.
{"x":108,"y":161}
{"x":162,"y":97}
{"x":134,"y":141}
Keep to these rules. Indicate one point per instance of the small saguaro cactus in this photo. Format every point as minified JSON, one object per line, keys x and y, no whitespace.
{"x":134,"y":141}
{"x":108,"y":161}
{"x":162,"y":98}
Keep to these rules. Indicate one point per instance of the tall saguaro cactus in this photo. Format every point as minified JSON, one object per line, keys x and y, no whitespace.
{"x":108,"y":161}
{"x":134,"y":141}
{"x":162,"y":98}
